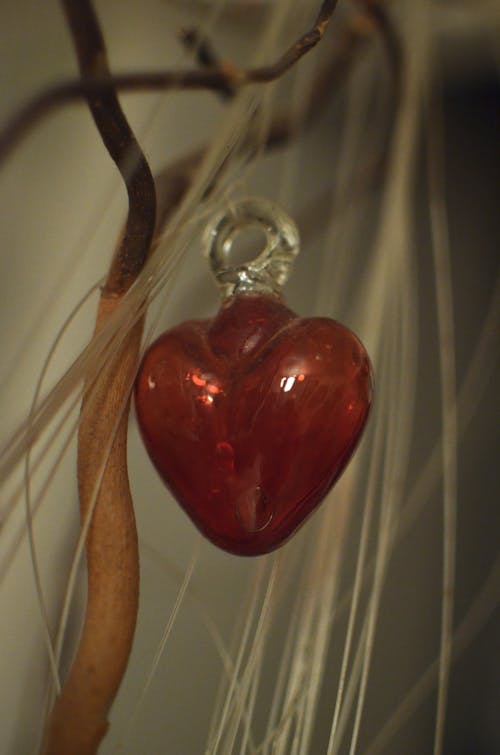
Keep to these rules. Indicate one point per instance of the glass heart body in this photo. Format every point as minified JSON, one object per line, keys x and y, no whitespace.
{"x":250,"y":417}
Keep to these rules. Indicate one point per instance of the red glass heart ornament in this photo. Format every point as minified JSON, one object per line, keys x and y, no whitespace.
{"x":251,"y":417}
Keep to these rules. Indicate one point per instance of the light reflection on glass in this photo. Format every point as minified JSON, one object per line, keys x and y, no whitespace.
{"x":254,"y":509}
{"x":204,"y":399}
{"x":287,"y":383}
{"x":210,"y":389}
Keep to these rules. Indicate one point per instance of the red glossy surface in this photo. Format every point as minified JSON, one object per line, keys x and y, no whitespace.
{"x":251,"y":417}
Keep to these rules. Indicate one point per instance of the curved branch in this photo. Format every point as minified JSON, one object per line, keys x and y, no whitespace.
{"x":121,"y":144}
{"x":78,"y":721}
{"x":79,"y":718}
{"x":222,"y":80}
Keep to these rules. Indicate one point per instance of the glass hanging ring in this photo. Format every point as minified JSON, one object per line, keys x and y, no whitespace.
{"x":267,"y":272}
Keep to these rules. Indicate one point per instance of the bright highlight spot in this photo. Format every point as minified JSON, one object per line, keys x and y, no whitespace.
{"x":287,"y":383}
{"x":211,"y":389}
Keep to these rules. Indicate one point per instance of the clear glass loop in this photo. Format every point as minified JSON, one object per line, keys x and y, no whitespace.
{"x":270,"y":269}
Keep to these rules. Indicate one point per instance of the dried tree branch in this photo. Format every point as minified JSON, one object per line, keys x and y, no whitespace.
{"x":207,"y":79}
{"x":121,"y":144}
{"x":78,"y":721}
{"x":79,"y":717}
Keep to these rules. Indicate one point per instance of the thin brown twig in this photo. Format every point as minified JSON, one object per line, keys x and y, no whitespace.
{"x":173,"y":182}
{"x":207,"y":79}
{"x":121,"y":144}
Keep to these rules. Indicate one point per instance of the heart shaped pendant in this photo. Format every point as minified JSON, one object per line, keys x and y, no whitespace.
{"x":250,"y":417}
